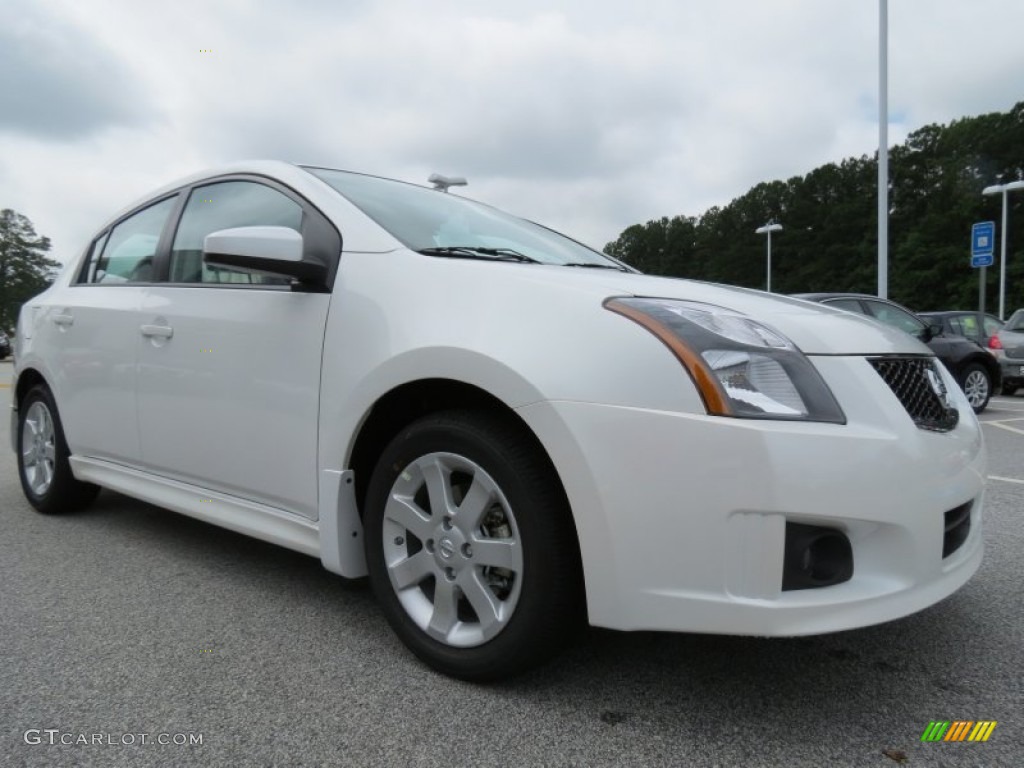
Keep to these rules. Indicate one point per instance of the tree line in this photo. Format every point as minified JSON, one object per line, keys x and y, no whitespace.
{"x":25,"y":269}
{"x":830,"y":236}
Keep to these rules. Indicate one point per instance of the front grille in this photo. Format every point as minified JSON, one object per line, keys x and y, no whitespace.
{"x":917,"y":384}
{"x":957,"y":527}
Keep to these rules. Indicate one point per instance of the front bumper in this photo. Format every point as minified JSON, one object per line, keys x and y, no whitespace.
{"x":681,"y":517}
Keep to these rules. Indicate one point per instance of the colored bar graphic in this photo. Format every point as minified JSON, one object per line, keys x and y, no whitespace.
{"x":982,"y":730}
{"x":959,"y":730}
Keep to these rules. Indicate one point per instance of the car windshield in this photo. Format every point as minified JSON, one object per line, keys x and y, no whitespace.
{"x":1016,"y":322}
{"x":443,"y":224}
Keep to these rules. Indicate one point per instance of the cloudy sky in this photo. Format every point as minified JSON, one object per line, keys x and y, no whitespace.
{"x":588,"y":115}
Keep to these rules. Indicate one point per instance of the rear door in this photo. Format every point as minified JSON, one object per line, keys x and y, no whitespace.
{"x":92,"y":329}
{"x":229,"y":369}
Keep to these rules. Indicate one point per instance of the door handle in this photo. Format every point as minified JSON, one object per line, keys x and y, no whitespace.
{"x":64,"y":319}
{"x":157,"y":331}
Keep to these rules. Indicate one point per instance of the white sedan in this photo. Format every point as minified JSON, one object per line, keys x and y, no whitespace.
{"x":511,"y":434}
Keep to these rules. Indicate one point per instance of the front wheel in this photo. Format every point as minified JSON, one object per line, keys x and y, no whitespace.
{"x":471,"y":548}
{"x":43,"y":464}
{"x":977,"y":385}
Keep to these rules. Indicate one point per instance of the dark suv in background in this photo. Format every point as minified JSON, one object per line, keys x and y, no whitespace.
{"x":5,"y":345}
{"x":971,"y":364}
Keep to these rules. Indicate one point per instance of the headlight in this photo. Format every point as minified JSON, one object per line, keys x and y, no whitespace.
{"x":740,"y":366}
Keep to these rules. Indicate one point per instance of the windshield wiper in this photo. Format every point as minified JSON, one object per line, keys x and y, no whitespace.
{"x":592,"y":265}
{"x":477,"y":252}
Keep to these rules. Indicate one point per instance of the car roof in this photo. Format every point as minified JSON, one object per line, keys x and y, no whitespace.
{"x":864,"y":296}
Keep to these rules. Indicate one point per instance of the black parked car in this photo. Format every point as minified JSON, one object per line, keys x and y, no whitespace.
{"x":5,"y":345}
{"x":971,"y":364}
{"x":964,"y":322}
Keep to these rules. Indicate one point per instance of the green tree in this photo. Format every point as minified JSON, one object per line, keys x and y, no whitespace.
{"x":25,"y":269}
{"x":830,"y":236}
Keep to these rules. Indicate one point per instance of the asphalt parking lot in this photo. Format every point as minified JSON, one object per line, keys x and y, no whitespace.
{"x":128,"y":621}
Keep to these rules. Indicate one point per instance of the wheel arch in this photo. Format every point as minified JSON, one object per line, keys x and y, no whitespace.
{"x":986,"y":361}
{"x":28,"y":378}
{"x":407,"y":402}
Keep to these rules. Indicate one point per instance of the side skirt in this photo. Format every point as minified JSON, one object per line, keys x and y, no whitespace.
{"x":257,"y":520}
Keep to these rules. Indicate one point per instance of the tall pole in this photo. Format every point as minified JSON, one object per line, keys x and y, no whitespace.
{"x":1002,"y":259}
{"x":883,"y":148}
{"x":982,"y":279}
{"x":1004,"y":190}
{"x":767,"y":229}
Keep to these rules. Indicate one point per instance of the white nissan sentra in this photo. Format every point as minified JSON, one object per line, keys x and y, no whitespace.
{"x":511,"y":434}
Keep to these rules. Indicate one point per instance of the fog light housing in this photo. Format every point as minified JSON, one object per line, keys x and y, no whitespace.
{"x":815,"y":556}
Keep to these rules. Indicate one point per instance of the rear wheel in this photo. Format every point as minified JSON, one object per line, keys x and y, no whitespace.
{"x":977,"y":385}
{"x":471,"y":548}
{"x":43,"y":453}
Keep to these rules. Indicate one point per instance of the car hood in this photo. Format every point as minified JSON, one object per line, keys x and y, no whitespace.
{"x":814,"y":328}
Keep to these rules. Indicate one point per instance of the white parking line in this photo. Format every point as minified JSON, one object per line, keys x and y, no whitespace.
{"x":1006,"y":479}
{"x":1004,"y":426}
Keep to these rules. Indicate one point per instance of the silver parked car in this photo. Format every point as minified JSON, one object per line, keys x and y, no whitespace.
{"x":1008,"y":347}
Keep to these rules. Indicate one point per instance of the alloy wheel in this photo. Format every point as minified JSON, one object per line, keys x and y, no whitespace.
{"x":976,"y":387}
{"x":38,"y":448}
{"x":452,"y":549}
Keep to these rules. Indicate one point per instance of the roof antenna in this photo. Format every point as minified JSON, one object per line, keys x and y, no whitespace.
{"x":443,"y":182}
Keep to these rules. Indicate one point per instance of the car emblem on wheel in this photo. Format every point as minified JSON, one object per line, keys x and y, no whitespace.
{"x":446,"y":548}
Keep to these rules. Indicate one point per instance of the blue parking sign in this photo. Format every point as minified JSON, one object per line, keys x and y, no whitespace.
{"x":983,"y":235}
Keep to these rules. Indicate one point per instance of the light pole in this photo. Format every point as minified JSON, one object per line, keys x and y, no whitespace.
{"x":767,"y":229}
{"x":1005,"y":189}
{"x":883,"y":149}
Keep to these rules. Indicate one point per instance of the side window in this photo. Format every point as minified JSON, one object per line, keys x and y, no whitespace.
{"x":850,"y":305}
{"x":955,"y":326}
{"x":226,"y":205}
{"x":969,"y":326}
{"x":992,"y":326}
{"x":895,"y":317}
{"x":126,"y":254}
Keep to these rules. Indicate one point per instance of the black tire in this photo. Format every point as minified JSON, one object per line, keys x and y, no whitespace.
{"x":976,"y":382}
{"x":63,"y":493}
{"x":529,"y":506}
{"x":1008,"y":390}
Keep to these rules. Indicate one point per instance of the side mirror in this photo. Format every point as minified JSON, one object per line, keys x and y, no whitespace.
{"x":274,"y":250}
